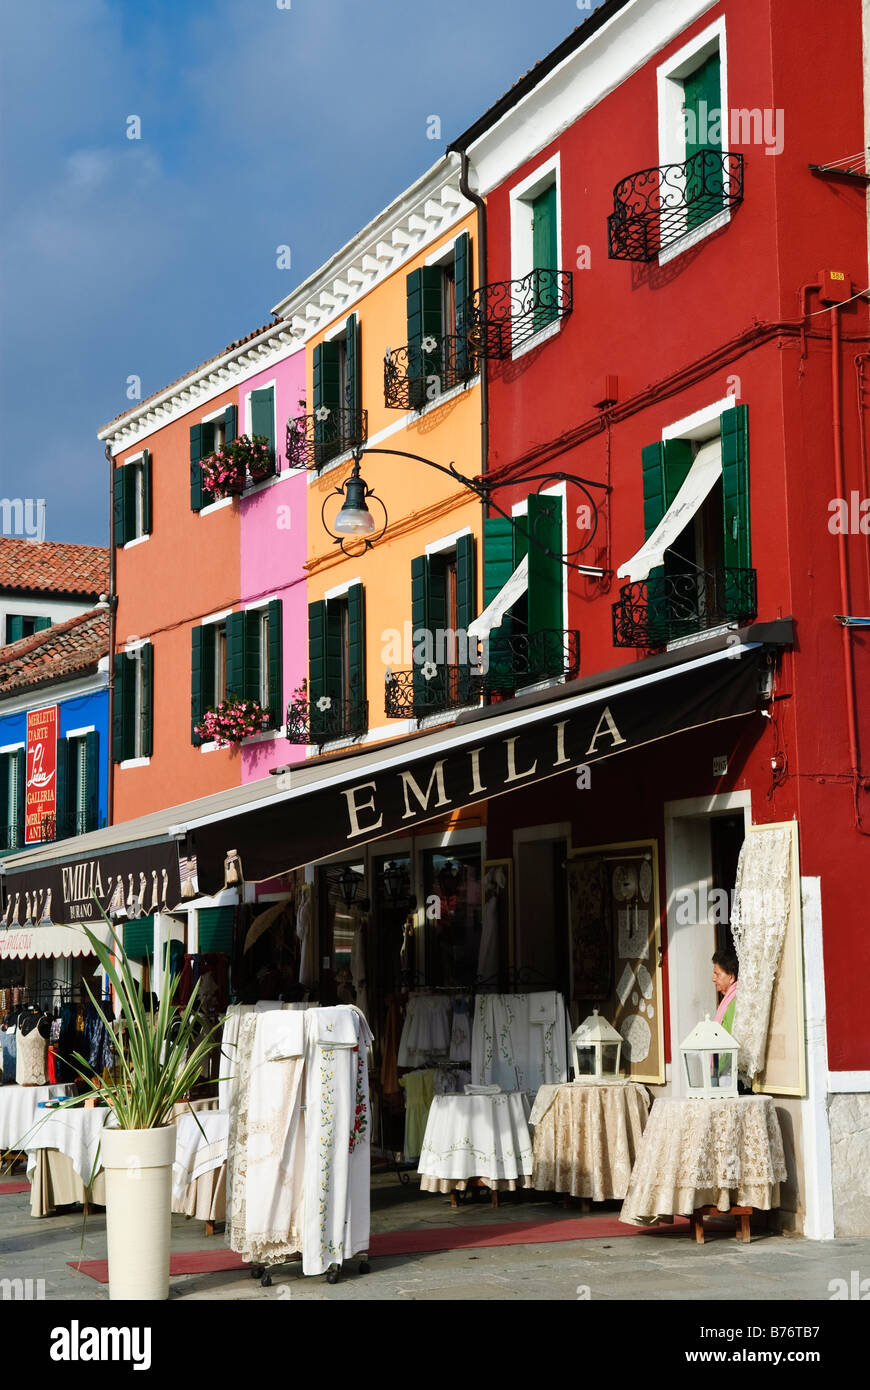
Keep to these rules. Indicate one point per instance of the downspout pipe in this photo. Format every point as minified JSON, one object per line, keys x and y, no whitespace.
{"x":113,"y":604}
{"x":480,"y":203}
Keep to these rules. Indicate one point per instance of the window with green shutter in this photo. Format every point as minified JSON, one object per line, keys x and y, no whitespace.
{"x":132,"y":500}
{"x":215,"y":929}
{"x":462,"y":286}
{"x":425,"y":334}
{"x":736,"y":539}
{"x":12,"y":791}
{"x":197,"y":452}
{"x":702,"y":107}
{"x":133,"y":700}
{"x":443,"y":604}
{"x":336,"y":665}
{"x":665,"y":466}
{"x":545,"y":250}
{"x":207,"y":642}
{"x":138,"y":939}
{"x":263,"y":417}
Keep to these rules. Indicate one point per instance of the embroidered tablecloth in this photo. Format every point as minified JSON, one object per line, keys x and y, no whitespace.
{"x":485,"y":1137}
{"x":698,"y":1153}
{"x":19,"y":1111}
{"x":587,"y":1137}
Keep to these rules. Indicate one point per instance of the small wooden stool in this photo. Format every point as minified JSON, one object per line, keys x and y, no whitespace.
{"x":472,"y":1184}
{"x":742,"y":1214}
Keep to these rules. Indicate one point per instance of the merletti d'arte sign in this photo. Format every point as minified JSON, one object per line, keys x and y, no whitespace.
{"x":40,"y":796}
{"x":491,"y":757}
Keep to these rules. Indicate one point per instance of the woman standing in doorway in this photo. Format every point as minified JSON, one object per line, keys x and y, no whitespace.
{"x":725,"y":971}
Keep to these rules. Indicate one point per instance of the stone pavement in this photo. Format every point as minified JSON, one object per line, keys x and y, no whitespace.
{"x":660,"y":1266}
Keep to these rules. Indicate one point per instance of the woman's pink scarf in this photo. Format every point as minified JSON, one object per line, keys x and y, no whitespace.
{"x":726,"y":1000}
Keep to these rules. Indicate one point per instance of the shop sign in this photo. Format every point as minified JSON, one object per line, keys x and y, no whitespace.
{"x":40,"y":797}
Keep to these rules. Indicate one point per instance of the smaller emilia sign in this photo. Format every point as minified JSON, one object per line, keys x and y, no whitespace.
{"x":40,"y":797}
{"x":133,"y":881}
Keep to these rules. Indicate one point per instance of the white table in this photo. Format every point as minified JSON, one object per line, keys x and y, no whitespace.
{"x":199,"y":1173}
{"x":587,"y":1137}
{"x":19,"y":1111}
{"x":477,"y":1140}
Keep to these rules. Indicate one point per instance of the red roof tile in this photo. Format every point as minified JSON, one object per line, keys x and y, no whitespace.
{"x":57,"y":652}
{"x":53,"y":567}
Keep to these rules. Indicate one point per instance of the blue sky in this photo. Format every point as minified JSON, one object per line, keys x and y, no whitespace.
{"x":260,"y":127}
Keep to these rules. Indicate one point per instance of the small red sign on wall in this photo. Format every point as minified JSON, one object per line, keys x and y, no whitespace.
{"x":40,"y":799}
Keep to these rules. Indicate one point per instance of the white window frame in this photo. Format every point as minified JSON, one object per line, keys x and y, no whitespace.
{"x":212,"y":620}
{"x":137,"y":461}
{"x":672,"y":131}
{"x":522,"y":242}
{"x":138,"y":760}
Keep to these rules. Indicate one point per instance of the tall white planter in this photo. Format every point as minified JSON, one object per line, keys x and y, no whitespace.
{"x":138,"y":1167}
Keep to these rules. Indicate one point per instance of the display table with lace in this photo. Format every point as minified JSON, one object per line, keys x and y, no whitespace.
{"x":19,"y":1111}
{"x":199,"y":1173}
{"x":695,"y":1154}
{"x":477,"y":1140}
{"x":587,"y":1138}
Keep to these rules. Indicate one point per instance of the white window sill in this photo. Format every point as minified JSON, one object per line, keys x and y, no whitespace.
{"x":134,"y":762}
{"x":699,"y":233}
{"x":137,"y":540}
{"x":450,"y":395}
{"x":213,"y":747}
{"x":216,"y":506}
{"x":267,"y":736}
{"x":541,"y":337}
{"x":256,"y":488}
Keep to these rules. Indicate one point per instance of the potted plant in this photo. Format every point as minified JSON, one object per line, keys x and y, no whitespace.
{"x":223,"y":474}
{"x":232,"y":721}
{"x":160,"y":1055}
{"x":257,"y":456}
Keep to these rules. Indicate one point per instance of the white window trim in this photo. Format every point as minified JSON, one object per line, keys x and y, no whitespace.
{"x":137,"y":644}
{"x":447,"y":542}
{"x":340,"y":589}
{"x":215,"y":617}
{"x":522,"y":255}
{"x":444,"y":255}
{"x":336,"y":332}
{"x":137,"y":540}
{"x":259,"y":603}
{"x":12,"y":747}
{"x":213,"y":747}
{"x":215,"y":506}
{"x":80,"y":733}
{"x":262,"y":386}
{"x":266,"y":736}
{"x":216,"y":414}
{"x":135,"y":458}
{"x":134,"y":762}
{"x":671,"y":132}
{"x":701,"y":424}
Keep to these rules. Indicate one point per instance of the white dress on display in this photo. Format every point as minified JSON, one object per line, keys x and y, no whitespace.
{"x":519,"y":1041}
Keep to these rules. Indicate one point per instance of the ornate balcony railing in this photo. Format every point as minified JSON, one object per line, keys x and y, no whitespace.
{"x":312,"y":440}
{"x":666,"y":607}
{"x":320,"y":721}
{"x":655,"y":207}
{"x":419,"y":373}
{"x":504,"y":316}
{"x":508,"y":663}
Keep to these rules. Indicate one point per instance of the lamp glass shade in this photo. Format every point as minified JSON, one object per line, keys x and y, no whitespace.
{"x":710,"y":1061}
{"x":354,"y":517}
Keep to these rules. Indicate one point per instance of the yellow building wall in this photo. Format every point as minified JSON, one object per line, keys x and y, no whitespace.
{"x":422,"y":504}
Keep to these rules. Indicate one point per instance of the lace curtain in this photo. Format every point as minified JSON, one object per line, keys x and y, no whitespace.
{"x":762,"y":907}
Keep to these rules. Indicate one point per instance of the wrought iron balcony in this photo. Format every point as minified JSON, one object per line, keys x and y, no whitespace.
{"x":665,"y":607}
{"x":312,"y":440}
{"x":504,"y":316}
{"x":509,"y":663}
{"x":419,"y":373}
{"x":320,"y":721}
{"x":656,"y":207}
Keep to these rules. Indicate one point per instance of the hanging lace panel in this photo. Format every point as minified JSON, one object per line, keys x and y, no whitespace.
{"x":762,"y":907}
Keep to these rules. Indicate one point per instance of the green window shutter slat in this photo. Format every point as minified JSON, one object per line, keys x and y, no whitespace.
{"x":215,"y":932}
{"x":131,"y":491}
{"x":316,"y":660}
{"x":237,"y":628}
{"x":20,"y":774}
{"x":466,"y":588}
{"x":428,"y":610}
{"x":146,"y":718}
{"x":545,"y":251}
{"x":253,"y":655}
{"x":276,"y":662}
{"x":356,"y":625}
{"x":263,"y":415}
{"x":544,"y":522}
{"x":8,"y":823}
{"x":231,"y":424}
{"x":354,"y":364}
{"x":92,"y":780}
{"x":202,"y":674}
{"x":665,"y":467}
{"x":119,"y":505}
{"x":423,"y":298}
{"x":146,"y":493}
{"x":462,"y":281}
{"x":737,"y":546}
{"x":121,"y":677}
{"x":139,"y":938}
{"x":64,"y":800}
{"x":334,"y":652}
{"x":326,"y":381}
{"x":196,"y":453}
{"x":702,"y":102}
{"x":499,"y":562}
{"x":14,"y":627}
{"x":42,"y":625}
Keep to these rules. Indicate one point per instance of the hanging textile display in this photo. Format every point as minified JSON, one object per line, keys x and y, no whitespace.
{"x":519,"y":1041}
{"x":358,"y":968}
{"x":308,"y":974}
{"x":763,"y":903}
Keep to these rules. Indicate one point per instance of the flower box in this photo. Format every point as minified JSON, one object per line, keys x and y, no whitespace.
{"x":232,"y":721}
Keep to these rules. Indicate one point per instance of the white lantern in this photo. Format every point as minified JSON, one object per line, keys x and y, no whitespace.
{"x":710,"y":1061}
{"x":597,"y":1049}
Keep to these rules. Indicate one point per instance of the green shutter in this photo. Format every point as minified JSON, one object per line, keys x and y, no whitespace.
{"x":702,"y":100}
{"x":20,"y":774}
{"x":14,"y":628}
{"x":316,"y":661}
{"x":8,"y":827}
{"x":428,"y":615}
{"x":327,"y":393}
{"x":334,"y":652}
{"x":146,"y":493}
{"x":544,"y":523}
{"x":139,"y":938}
{"x":276,"y":662}
{"x":466,"y":588}
{"x":263,"y":415}
{"x":131,"y":489}
{"x":121,"y":679}
{"x":356,"y":657}
{"x":119,"y":496}
{"x":737,"y":547}
{"x":231,"y":424}
{"x":423,"y":297}
{"x":202,"y":674}
{"x":92,"y":781}
{"x":253,"y":655}
{"x":353,"y":367}
{"x":545,"y":252}
{"x":146,"y":717}
{"x":64,"y":796}
{"x":462,"y":291}
{"x":196,"y":453}
{"x":215,"y":929}
{"x":42,"y":625}
{"x":237,"y":631}
{"x":665,"y":468}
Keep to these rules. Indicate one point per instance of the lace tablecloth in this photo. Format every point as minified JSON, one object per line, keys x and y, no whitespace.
{"x":485,"y":1137}
{"x":200,"y":1147}
{"x":698,"y":1153}
{"x":19,"y":1111}
{"x":587,"y":1137}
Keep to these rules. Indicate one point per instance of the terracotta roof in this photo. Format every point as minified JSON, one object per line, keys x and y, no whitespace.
{"x":56,"y":653}
{"x":231,"y":347}
{"x":53,"y":567}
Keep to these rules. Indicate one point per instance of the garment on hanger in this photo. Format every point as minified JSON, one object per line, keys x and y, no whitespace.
{"x":519,"y":1041}
{"x":8,"y":1053}
{"x":419,"y":1088}
{"x":31,"y":1065}
{"x":495,"y":884}
{"x":390,"y":1046}
{"x":426,"y":1029}
{"x":358,"y":968}
{"x":308,"y":973}
{"x":460,"y":1033}
{"x":451,"y":1081}
{"x":98,"y":1041}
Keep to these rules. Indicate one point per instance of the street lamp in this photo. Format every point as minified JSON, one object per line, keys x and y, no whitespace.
{"x":354,"y":520}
